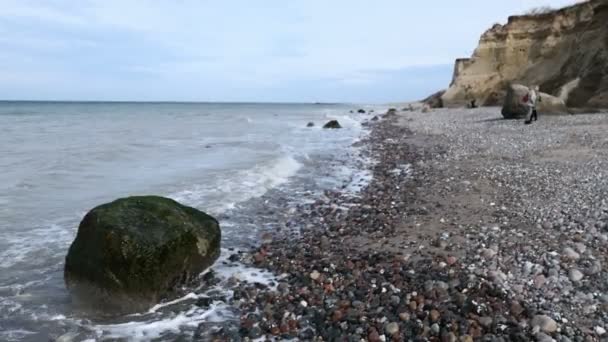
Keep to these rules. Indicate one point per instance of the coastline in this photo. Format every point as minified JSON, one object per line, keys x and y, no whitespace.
{"x":446,"y":242}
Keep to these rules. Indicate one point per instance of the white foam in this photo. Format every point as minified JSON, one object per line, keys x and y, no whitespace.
{"x":227,"y":270}
{"x":160,"y":323}
{"x":15,"y":335}
{"x":149,"y":330}
{"x":22,"y":244}
{"x":241,"y":186}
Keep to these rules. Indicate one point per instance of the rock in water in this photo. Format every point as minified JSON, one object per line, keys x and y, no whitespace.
{"x":131,"y":253}
{"x":332,"y":124}
{"x":361,"y":111}
{"x":310,"y":124}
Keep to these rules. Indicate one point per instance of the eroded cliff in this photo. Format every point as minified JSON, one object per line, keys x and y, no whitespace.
{"x":549,"y":50}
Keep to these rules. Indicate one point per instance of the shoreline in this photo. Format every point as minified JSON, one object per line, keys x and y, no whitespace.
{"x":447,"y":250}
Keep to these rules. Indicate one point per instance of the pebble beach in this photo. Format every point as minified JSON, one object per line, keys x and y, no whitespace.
{"x":473,"y":228}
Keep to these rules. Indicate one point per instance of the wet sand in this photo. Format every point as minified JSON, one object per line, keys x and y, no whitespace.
{"x":473,"y":228}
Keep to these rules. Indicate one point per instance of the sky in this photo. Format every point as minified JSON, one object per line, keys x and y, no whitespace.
{"x":362,"y":51}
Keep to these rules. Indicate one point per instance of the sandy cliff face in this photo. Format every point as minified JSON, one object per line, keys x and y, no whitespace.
{"x":550,"y":50}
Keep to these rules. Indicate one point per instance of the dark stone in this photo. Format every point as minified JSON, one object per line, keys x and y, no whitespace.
{"x":131,"y":253}
{"x":361,"y":111}
{"x":332,"y":124}
{"x":310,"y":124}
{"x":435,"y":100}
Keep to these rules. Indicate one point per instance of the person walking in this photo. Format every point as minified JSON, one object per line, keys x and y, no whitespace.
{"x":530,"y":100}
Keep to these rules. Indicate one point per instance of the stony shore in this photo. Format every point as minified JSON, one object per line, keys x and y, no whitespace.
{"x":473,"y":228}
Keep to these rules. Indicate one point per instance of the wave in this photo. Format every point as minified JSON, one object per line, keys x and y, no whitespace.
{"x":240,"y":186}
{"x":146,"y":328}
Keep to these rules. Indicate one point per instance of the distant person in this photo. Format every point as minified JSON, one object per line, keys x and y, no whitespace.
{"x":530,"y":99}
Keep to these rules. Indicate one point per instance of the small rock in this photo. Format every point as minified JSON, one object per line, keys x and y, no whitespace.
{"x":488,"y":253}
{"x":373,"y":336}
{"x":451,"y":260}
{"x":599,"y":330}
{"x":450,"y":337}
{"x":570,"y":254}
{"x":314,"y":275}
{"x":404,"y":316}
{"x":395,"y":300}
{"x":539,"y":281}
{"x":466,"y":338}
{"x":435,"y":315}
{"x":485,"y":321}
{"x":310,"y":124}
{"x":544,"y":323}
{"x":575,"y":275}
{"x":392,"y":328}
{"x":413,"y":305}
{"x":516,"y":309}
{"x":580,"y":247}
{"x":542,"y":337}
{"x":435,"y":329}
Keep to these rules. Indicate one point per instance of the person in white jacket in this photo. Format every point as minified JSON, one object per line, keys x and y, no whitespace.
{"x":531,"y":98}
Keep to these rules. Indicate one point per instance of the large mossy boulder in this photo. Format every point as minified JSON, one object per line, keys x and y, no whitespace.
{"x":131,"y":253}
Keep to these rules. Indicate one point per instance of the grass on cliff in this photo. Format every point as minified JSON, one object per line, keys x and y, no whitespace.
{"x":540,"y":10}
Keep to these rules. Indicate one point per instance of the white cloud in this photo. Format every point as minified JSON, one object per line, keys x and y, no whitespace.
{"x":255,"y":44}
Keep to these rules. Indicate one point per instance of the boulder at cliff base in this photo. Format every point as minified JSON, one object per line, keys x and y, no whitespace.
{"x":515,"y":108}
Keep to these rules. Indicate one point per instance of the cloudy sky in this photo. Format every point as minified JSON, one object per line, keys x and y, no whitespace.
{"x":239,"y":50}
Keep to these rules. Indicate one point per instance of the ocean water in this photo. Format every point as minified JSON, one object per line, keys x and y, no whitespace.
{"x":249,"y":165}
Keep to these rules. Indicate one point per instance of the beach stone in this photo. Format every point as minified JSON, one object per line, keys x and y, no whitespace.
{"x":514,"y":108}
{"x":131,"y":253}
{"x":488,"y":253}
{"x":404,"y":316}
{"x":575,"y":275}
{"x":485,"y":321}
{"x":544,"y":323}
{"x":413,"y":305}
{"x":542,"y":337}
{"x":451,"y":260}
{"x":314,"y":275}
{"x":306,"y":334}
{"x":449,"y":337}
{"x":580,"y":247}
{"x":434,"y":315}
{"x":570,"y":254}
{"x":333,"y":124}
{"x":539,"y":281}
{"x":373,"y":336}
{"x":466,"y":338}
{"x":392,"y":328}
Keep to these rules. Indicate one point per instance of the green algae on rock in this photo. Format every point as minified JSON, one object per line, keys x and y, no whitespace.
{"x":131,"y":253}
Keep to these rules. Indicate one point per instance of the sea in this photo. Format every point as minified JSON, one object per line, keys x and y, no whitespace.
{"x":250,"y":165}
